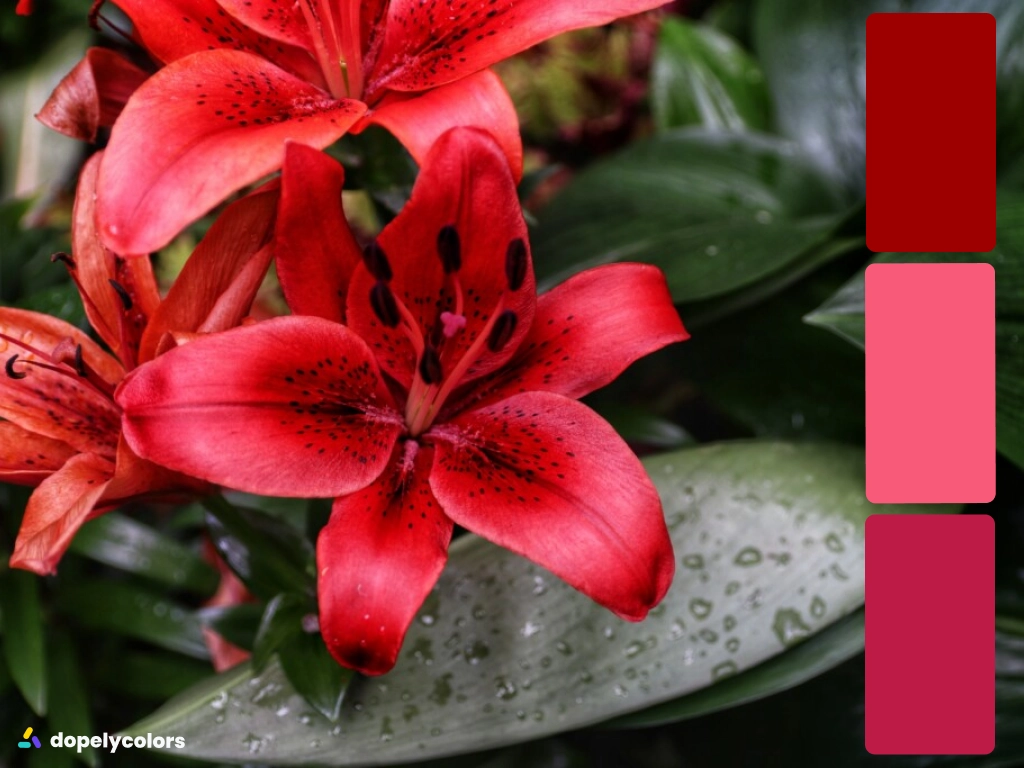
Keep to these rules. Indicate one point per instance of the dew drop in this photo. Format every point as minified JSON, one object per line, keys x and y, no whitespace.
{"x":789,"y":626}
{"x":818,"y":607}
{"x":748,"y":556}
{"x":834,"y":543}
{"x":724,"y":669}
{"x":700,"y":608}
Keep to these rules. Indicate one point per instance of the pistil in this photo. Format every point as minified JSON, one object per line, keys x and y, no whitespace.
{"x":336,"y":42}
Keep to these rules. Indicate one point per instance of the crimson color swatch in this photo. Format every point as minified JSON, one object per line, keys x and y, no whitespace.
{"x":929,"y":635}
{"x":931,"y":132}
{"x":930,"y":377}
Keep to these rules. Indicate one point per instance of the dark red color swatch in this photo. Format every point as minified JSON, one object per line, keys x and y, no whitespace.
{"x":931,"y":132}
{"x":930,"y":635}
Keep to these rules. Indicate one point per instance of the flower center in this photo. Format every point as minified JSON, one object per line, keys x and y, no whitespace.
{"x":335,"y":30}
{"x":432,"y":385}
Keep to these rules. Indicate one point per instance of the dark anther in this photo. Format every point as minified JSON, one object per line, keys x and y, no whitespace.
{"x":377,"y":261}
{"x":9,"y":367}
{"x":515,"y":264}
{"x":383,"y":303}
{"x":449,"y":248}
{"x":502,"y":331}
{"x":61,"y":256}
{"x":430,"y":366}
{"x":79,"y":363}
{"x":122,"y":293}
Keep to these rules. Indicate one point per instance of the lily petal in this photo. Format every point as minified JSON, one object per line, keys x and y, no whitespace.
{"x":315,"y":251}
{"x":58,"y":406}
{"x":546,"y":477}
{"x":477,"y":101}
{"x":135,"y":478}
{"x":379,"y":557}
{"x":27,"y":458}
{"x":91,"y":95}
{"x":587,"y":331}
{"x":56,"y":511}
{"x":199,"y":129}
{"x":464,"y":183}
{"x":292,"y":406}
{"x":95,"y":267}
{"x":432,"y":42}
{"x":217,"y":285}
{"x":173,"y":29}
{"x":271,"y":18}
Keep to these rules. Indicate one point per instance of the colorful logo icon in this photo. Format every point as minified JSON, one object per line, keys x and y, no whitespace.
{"x":26,"y":743}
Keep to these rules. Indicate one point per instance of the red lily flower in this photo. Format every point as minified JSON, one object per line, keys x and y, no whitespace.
{"x":24,"y":7}
{"x":60,"y":428}
{"x":242,"y":76}
{"x":448,"y":398}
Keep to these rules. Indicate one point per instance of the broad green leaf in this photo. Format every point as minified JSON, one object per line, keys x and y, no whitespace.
{"x":771,"y":374}
{"x":717,"y":212}
{"x":237,"y":624}
{"x":843,"y":314}
{"x":815,"y":656}
{"x":813,"y":54}
{"x":313,"y":673}
{"x":129,"y":545}
{"x":69,"y":702}
{"x":23,"y":635}
{"x":149,"y":675}
{"x":637,"y":425}
{"x":281,"y":620}
{"x":701,"y":76}
{"x":769,"y":546}
{"x":703,"y":313}
{"x":130,"y":610}
{"x":269,"y":555}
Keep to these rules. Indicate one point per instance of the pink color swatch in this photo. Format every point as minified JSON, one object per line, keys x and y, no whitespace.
{"x":931,"y":132}
{"x":930,"y":383}
{"x":929,"y":635}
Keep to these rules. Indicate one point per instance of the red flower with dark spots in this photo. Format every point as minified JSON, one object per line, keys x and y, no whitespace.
{"x":447,"y":397}
{"x":242,"y":76}
{"x":60,"y":428}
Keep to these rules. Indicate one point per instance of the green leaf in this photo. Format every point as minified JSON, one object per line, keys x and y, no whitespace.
{"x":314,"y":674}
{"x":816,"y":655}
{"x":639,"y":426}
{"x":69,"y":702}
{"x":149,"y":675}
{"x":813,"y":55}
{"x":769,"y":541}
{"x":701,"y":76}
{"x":703,"y":313}
{"x":773,"y":375}
{"x":237,"y":624}
{"x":269,"y":555}
{"x":123,"y":543}
{"x":281,"y":620}
{"x":303,"y":656}
{"x":843,"y":314}
{"x":717,"y":212}
{"x":132,"y":611}
{"x":23,"y":635}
